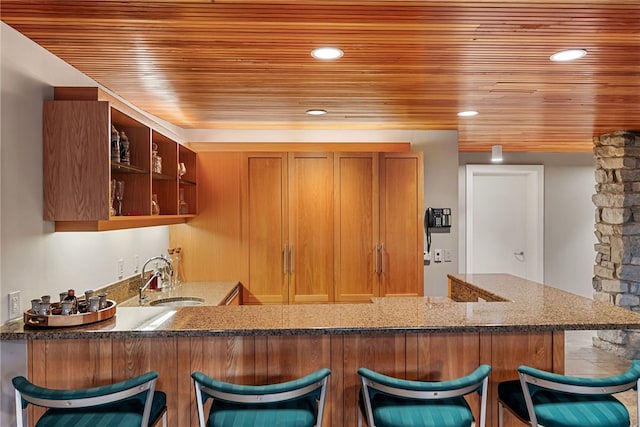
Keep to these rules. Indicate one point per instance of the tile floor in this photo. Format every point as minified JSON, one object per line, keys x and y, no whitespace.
{"x":582,"y":359}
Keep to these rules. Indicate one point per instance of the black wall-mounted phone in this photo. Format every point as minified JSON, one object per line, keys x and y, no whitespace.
{"x":437,"y":218}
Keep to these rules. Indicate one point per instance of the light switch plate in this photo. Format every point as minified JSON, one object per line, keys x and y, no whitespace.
{"x":447,"y":255}
{"x":437,"y":255}
{"x":14,"y":305}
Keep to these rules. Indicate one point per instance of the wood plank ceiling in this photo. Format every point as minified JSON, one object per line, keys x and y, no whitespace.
{"x":407,"y":65}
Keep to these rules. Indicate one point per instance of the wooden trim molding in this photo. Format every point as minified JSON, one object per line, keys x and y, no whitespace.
{"x":201,"y":147}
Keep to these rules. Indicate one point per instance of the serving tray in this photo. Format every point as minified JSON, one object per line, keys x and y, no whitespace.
{"x":59,"y":321}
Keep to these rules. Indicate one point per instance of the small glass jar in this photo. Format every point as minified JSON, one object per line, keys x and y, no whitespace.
{"x":183,"y":207}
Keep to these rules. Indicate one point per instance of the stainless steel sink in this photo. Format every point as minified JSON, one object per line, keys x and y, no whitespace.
{"x":178,"y":301}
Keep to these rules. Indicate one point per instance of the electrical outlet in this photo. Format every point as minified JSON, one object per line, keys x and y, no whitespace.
{"x":136,"y":263}
{"x":120,"y":268}
{"x":14,"y":305}
{"x":437,"y":255}
{"x":447,"y":255}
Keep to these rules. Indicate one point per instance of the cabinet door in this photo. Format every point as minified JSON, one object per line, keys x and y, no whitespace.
{"x":76,"y":160}
{"x":311,"y":234}
{"x":356,"y":227}
{"x":401,"y":229}
{"x":266,"y":195}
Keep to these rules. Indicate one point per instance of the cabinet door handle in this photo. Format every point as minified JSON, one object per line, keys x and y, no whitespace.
{"x":375,"y":254}
{"x":290,"y":259}
{"x":382,"y":256}
{"x":284,"y":259}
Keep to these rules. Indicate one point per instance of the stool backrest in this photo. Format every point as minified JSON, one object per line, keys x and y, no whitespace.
{"x":28,"y":393}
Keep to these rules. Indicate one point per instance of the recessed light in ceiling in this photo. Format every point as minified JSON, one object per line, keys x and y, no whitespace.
{"x":327,"y":53}
{"x":568,"y":55}
{"x":469,"y":113}
{"x":316,"y":112}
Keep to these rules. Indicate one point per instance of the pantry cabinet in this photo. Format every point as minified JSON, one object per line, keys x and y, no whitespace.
{"x":79,"y":168}
{"x":331,"y":227}
{"x":379,"y":238}
{"x":289,"y":227}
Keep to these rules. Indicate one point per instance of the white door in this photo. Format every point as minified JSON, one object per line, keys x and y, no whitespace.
{"x":504,"y":217}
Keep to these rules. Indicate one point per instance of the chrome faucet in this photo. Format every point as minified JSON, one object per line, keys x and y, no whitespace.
{"x":157,"y":274}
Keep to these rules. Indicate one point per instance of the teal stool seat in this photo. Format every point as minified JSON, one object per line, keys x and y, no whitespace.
{"x":393,"y":402}
{"x":297,"y":403}
{"x":132,"y":402}
{"x":553,"y":400}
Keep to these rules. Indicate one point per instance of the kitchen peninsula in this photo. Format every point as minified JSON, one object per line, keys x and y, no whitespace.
{"x":511,"y":321}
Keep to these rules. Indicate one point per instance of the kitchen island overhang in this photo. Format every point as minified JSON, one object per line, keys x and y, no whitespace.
{"x":411,"y":337}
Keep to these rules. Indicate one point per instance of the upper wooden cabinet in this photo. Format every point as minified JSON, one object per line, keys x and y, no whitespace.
{"x":78,"y":170}
{"x":379,"y":239}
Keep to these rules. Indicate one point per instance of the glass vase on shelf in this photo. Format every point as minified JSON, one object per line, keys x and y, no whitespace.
{"x":155,"y":207}
{"x":183,"y":207}
{"x":112,"y":197}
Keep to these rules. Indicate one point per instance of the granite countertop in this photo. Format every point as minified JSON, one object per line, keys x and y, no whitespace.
{"x":531,"y":306}
{"x":211,"y":293}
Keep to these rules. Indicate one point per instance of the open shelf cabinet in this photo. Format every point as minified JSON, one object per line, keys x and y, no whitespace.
{"x":79,"y":169}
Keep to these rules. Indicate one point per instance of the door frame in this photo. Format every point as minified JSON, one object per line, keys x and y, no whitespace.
{"x":535,"y":223}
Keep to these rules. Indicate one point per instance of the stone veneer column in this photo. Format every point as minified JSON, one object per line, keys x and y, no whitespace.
{"x":617,"y":200}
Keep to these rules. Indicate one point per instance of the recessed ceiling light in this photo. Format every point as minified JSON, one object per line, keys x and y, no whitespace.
{"x":316,"y":112}
{"x":568,"y":55}
{"x":327,"y":53}
{"x":469,"y":113}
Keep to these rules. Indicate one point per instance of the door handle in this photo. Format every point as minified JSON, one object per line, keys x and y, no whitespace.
{"x":290,"y":259}
{"x":284,"y":259}
{"x":382,"y":256}
{"x":375,"y":254}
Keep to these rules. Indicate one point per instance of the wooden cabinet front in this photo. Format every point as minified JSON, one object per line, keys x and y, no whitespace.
{"x":311,"y":254}
{"x":357,"y":262}
{"x":266,"y":228}
{"x":401,"y":229}
{"x":379,"y":236}
{"x":289,"y":221}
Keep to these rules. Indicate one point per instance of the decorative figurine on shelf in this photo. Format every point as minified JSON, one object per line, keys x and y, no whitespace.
{"x":115,"y":145}
{"x":155,"y":208}
{"x":182,"y":169}
{"x":156,"y":160}
{"x":125,"y":155}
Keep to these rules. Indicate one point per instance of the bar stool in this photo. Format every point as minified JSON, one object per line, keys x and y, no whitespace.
{"x":298,"y":403}
{"x":554,"y":400}
{"x":393,"y":402}
{"x":133,"y":402}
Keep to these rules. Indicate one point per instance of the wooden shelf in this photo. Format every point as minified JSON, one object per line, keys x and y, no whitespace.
{"x":122,"y":222}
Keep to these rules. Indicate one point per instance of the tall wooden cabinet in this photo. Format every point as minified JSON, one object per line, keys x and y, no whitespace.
{"x":379,"y":238}
{"x":78,"y":169}
{"x":332,"y":227}
{"x":289,"y":227}
{"x":401,"y":224}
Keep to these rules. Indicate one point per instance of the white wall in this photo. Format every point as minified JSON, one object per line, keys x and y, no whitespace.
{"x":569,"y":239}
{"x":440,"y":150}
{"x":33,"y":259}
